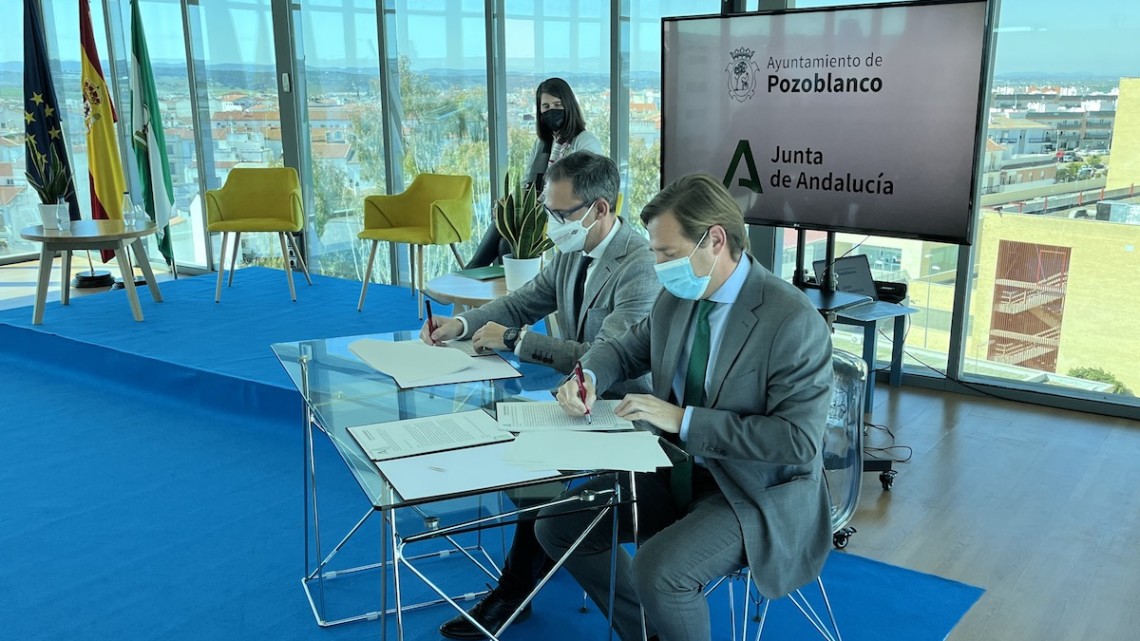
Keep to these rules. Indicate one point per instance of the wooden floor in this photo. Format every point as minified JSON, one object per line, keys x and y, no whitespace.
{"x":1036,"y":505}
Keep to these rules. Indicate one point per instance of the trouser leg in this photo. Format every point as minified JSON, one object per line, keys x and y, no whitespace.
{"x":671,"y":569}
{"x":559,"y":526}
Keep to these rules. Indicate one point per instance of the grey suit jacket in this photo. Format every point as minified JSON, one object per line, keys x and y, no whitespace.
{"x":620,"y":291}
{"x":538,"y":161}
{"x":761,"y":434}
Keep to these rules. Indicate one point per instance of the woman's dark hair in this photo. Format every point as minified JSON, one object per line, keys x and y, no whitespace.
{"x":572,"y":125}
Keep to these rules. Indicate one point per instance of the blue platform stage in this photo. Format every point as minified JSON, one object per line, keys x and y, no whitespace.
{"x":151,"y":486}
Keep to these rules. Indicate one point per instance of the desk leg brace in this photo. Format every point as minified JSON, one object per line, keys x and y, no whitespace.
{"x":611,"y":507}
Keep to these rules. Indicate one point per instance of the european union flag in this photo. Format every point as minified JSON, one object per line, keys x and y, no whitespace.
{"x":42,"y":125}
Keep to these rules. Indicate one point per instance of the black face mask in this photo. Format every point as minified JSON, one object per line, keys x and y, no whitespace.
{"x":553,"y":119}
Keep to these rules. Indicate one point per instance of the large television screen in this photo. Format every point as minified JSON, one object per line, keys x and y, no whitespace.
{"x":861,"y":119}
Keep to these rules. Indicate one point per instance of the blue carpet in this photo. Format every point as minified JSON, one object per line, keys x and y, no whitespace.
{"x":131,"y":511}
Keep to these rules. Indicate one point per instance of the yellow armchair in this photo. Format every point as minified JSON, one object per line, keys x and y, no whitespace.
{"x":257,"y":200}
{"x":434,"y":210}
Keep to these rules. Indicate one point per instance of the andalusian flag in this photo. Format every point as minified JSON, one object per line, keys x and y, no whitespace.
{"x":148,"y":138}
{"x":104,"y":166}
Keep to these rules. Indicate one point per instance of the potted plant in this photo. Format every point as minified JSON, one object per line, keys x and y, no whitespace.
{"x":521,"y":221}
{"x":52,"y":182}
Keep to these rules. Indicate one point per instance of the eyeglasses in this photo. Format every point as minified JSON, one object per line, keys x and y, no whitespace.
{"x":562,"y":214}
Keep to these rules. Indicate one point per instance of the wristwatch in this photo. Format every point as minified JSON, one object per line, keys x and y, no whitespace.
{"x":510,"y":337}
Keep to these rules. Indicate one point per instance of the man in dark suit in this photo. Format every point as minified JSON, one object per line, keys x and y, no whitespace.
{"x":599,"y":284}
{"x":741,"y":371}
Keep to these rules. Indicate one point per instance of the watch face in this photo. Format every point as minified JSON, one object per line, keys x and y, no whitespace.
{"x":510,"y":336}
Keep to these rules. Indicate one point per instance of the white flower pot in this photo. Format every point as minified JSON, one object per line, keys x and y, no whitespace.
{"x":520,"y":272}
{"x":48,"y":216}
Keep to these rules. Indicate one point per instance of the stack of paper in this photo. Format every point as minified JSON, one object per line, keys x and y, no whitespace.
{"x":417,"y":364}
{"x":547,"y":416}
{"x":457,"y":471}
{"x":395,"y":439}
{"x":636,"y":451}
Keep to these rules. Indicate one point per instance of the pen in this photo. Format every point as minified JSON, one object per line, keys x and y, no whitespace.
{"x":582,"y":390}
{"x":431,"y":321}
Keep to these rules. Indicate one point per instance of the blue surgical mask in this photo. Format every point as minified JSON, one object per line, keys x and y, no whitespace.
{"x":679,"y":279}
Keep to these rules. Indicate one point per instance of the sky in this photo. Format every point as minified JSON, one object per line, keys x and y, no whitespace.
{"x":1050,"y":36}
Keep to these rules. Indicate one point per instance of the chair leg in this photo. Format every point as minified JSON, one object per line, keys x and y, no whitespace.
{"x":221,"y":268}
{"x":455,"y":252}
{"x":300,"y":258}
{"x":233,"y":257}
{"x":412,"y":268}
{"x":420,"y":282}
{"x":288,"y":270}
{"x":367,"y":276}
{"x":394,"y":259}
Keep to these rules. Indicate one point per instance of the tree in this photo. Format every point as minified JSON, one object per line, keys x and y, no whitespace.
{"x":1068,"y":173}
{"x":1099,"y":375}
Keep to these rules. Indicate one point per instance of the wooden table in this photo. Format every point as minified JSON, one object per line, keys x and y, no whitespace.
{"x":459,"y":290}
{"x":92,"y":234}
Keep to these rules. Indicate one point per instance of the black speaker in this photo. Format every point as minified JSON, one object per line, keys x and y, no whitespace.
{"x":890,"y":292}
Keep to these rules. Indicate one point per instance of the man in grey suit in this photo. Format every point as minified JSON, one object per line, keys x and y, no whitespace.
{"x":599,"y":285}
{"x":741,"y":371}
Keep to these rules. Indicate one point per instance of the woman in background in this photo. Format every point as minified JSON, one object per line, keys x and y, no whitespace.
{"x":560,"y":131}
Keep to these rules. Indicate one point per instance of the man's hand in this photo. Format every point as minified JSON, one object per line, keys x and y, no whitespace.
{"x":489,"y":337}
{"x":445,"y":329}
{"x":570,"y":397}
{"x":647,"y":407}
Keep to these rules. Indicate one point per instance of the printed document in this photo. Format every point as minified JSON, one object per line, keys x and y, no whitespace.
{"x":455,"y":471}
{"x":417,"y":364}
{"x":396,"y":439}
{"x":546,"y":415}
{"x":468,"y":347}
{"x":637,"y":451}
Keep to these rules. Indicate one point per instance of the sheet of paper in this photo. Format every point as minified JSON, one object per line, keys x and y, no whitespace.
{"x":417,"y":364}
{"x":454,"y":471}
{"x":546,"y":415}
{"x":395,"y":439}
{"x":467,"y":347}
{"x":636,"y":451}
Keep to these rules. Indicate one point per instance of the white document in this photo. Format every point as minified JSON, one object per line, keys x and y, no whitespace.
{"x":468,"y":347}
{"x":546,"y":415}
{"x":454,"y":471}
{"x":395,"y":439}
{"x":417,"y":364}
{"x":636,"y":451}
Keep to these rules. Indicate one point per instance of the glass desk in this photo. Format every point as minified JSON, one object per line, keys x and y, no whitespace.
{"x":340,"y":391}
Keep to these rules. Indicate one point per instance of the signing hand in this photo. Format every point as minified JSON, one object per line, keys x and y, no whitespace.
{"x":658,"y":413}
{"x":570,"y":399}
{"x":445,"y":329}
{"x":489,"y":337}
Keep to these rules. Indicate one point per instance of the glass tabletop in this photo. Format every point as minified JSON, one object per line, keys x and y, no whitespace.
{"x":342,"y":391}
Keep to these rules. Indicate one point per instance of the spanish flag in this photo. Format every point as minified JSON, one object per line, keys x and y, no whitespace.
{"x":104,"y":165}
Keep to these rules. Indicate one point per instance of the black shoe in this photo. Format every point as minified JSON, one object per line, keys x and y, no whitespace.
{"x":491,"y":613}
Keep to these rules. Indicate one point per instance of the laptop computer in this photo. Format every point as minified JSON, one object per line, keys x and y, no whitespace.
{"x":853,"y":275}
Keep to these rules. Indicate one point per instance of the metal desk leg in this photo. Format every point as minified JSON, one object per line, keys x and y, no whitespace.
{"x":897,"y":350}
{"x":869,"y":336}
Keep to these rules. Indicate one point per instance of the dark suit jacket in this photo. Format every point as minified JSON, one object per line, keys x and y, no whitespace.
{"x":619,"y":293}
{"x":761,"y":434}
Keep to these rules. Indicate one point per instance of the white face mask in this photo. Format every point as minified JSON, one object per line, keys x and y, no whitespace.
{"x":569,"y":236}
{"x":679,"y":279}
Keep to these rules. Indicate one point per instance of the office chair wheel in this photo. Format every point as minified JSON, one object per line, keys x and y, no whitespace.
{"x":840,"y":538}
{"x":887,"y":478}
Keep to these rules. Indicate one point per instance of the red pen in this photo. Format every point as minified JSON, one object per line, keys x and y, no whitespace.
{"x":582,"y":390}
{"x":431,"y":321}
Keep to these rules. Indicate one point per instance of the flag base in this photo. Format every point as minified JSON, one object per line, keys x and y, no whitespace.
{"x":92,"y":280}
{"x":140,"y":281}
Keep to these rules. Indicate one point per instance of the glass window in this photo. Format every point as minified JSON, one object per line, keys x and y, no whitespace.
{"x":442,"y":101}
{"x":237,"y":54}
{"x":345,"y":133}
{"x":644,"y":179}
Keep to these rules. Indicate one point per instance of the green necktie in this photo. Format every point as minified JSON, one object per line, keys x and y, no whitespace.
{"x":681,"y":478}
